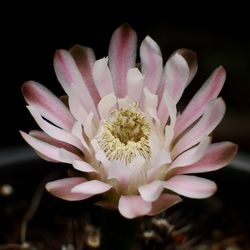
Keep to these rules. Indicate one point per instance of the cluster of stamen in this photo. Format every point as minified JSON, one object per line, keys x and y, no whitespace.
{"x":126,"y":135}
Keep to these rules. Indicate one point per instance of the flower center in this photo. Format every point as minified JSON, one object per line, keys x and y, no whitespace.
{"x":125,"y":135}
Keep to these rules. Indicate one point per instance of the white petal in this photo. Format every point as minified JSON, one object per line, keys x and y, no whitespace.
{"x":83,"y":166}
{"x":133,"y":206}
{"x":134,"y":84}
{"x":151,"y":192}
{"x":102,"y":77}
{"x":91,"y":187}
{"x":106,"y":105}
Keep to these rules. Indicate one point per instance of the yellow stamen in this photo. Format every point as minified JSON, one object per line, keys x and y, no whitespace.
{"x":125,"y":135}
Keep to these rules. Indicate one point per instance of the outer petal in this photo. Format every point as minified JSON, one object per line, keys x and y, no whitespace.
{"x":133,"y":206}
{"x":51,"y":107}
{"x":70,"y":78}
{"x":164,"y":202}
{"x":46,"y":149}
{"x":210,"y":90}
{"x":211,"y":118}
{"x":62,"y":188}
{"x":53,"y":131}
{"x":102,"y":77}
{"x":191,"y":186}
{"x":217,"y":156}
{"x":90,"y":188}
{"x":151,"y":192}
{"x":151,"y":62}
{"x":83,"y":166}
{"x":40,"y":135}
{"x":192,"y":155}
{"x":85,"y":59}
{"x":122,"y":53}
{"x":178,"y":72}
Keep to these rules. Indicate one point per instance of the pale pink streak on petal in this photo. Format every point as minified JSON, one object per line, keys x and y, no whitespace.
{"x":178,"y":72}
{"x":151,"y":192}
{"x":168,"y":111}
{"x":83,"y":166}
{"x":191,"y":186}
{"x":45,"y":148}
{"x":40,"y":135}
{"x":62,"y":188}
{"x":149,"y":100}
{"x":192,"y":155}
{"x":91,"y":188}
{"x":196,"y":107}
{"x":164,"y":202}
{"x":77,"y":130}
{"x":133,"y":206}
{"x":208,"y":122}
{"x":217,"y":156}
{"x":85,"y":59}
{"x":102,"y":77}
{"x":53,"y":131}
{"x":134,"y":84}
{"x":70,"y":77}
{"x":122,"y":54}
{"x":76,"y":108}
{"x":51,"y":107}
{"x":151,"y":63}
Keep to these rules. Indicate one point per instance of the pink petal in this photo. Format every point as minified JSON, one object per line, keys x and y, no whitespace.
{"x":191,"y":186}
{"x":48,"y":104}
{"x":62,"y":188}
{"x":210,"y":90}
{"x":90,"y":188}
{"x":40,"y":135}
{"x":107,"y":204}
{"x":53,"y":131}
{"x":85,"y":59}
{"x":210,"y":119}
{"x":133,"y":206}
{"x":218,"y":155}
{"x":178,"y":72}
{"x":134,"y":84}
{"x":151,"y":192}
{"x":102,"y":77}
{"x":122,"y":54}
{"x":151,"y":62}
{"x":70,"y":77}
{"x":164,"y":202}
{"x":45,"y":148}
{"x":83,"y":166}
{"x":192,"y":155}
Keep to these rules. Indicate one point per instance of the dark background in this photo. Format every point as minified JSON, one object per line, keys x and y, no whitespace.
{"x":30,"y":34}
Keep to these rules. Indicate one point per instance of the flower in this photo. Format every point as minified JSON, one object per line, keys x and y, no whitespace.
{"x":119,"y":127}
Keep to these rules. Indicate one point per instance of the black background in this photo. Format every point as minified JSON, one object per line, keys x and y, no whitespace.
{"x":30,"y":34}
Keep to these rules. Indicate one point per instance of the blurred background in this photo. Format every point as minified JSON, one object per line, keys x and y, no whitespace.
{"x":30,"y":34}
